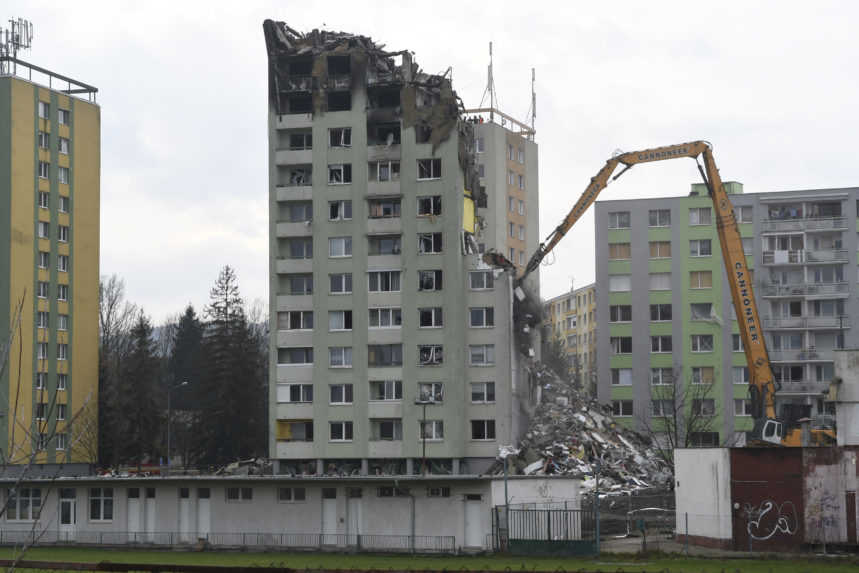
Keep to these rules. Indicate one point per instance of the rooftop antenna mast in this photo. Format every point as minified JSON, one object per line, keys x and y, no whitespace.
{"x":19,"y":36}
{"x":533,"y":101}
{"x":490,"y":88}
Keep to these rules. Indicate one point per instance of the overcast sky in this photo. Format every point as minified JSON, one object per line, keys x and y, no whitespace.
{"x":182,"y":89}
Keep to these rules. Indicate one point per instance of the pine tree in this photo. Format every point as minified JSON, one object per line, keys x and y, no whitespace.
{"x":139,"y":396}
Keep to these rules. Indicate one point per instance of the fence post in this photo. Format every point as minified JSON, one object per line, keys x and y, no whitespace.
{"x":686,"y":544}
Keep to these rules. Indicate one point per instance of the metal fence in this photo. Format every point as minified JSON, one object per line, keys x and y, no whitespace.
{"x":299,"y":541}
{"x":544,"y":531}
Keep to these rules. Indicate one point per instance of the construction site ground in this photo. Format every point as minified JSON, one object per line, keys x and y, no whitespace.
{"x":321,"y":562}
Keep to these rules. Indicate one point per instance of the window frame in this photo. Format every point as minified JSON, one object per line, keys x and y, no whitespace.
{"x":345,"y":174}
{"x":432,"y":205}
{"x":344,"y":279}
{"x":432,"y":241}
{"x":339,"y":357}
{"x":697,"y":218}
{"x":487,"y":391}
{"x":695,"y":248}
{"x":616,"y":220}
{"x":487,"y":351}
{"x":391,"y":274}
{"x":488,"y":427}
{"x":104,"y":500}
{"x":618,"y":408}
{"x":431,"y":168}
{"x":434,"y":354}
{"x":347,"y":394}
{"x":696,"y":343}
{"x":661,"y":344}
{"x":346,"y":431}
{"x":486,"y":314}
{"x":657,"y":214}
{"x":392,"y":311}
{"x":345,"y":241}
{"x":488,"y":280}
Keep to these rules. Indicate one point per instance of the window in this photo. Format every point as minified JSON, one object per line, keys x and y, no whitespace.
{"x":295,"y":355}
{"x":44,"y":229}
{"x":430,"y":354}
{"x":385,"y":355}
{"x":743,"y":214}
{"x":660,"y":312}
{"x":44,"y":169}
{"x":482,"y":392}
{"x":301,"y":248}
{"x":700,"y":279}
{"x":787,"y":341}
{"x":41,"y":411}
{"x":340,"y":394}
{"x":660,"y":344}
{"x":63,"y":322}
{"x":101,"y":504}
{"x":661,"y":408}
{"x":42,"y":442}
{"x":521,"y":155}
{"x":521,"y":207}
{"x":521,"y":233}
{"x":42,"y":289}
{"x":44,"y":109}
{"x":479,"y":144}
{"x":482,"y":317}
{"x":481,"y":354}
{"x":384,"y":208}
{"x":481,"y":170}
{"x":702,"y":343}
{"x":387,"y":390}
{"x":483,"y":429}
{"x":388,"y":491}
{"x":704,"y":439}
{"x":42,"y":350}
{"x":62,"y":381}
{"x":23,"y":504}
{"x":63,"y":233}
{"x":295,"y":320}
{"x":621,"y":408}
{"x":742,"y":407}
{"x":512,"y":257}
{"x":63,"y":175}
{"x":62,"y":351}
{"x":384,"y":281}
{"x":740,"y":374}
{"x":618,"y":220}
{"x":62,"y":441}
{"x":701,"y":310}
{"x":737,"y":343}
{"x":340,"y":356}
{"x":619,"y":283}
{"x":386,"y":430}
{"x":435,"y":491}
{"x":431,"y":392}
{"x":299,"y":284}
{"x":340,"y":431}
{"x":661,"y":376}
{"x":621,"y":344}
{"x":748,"y":245}
{"x":63,"y":263}
{"x":521,"y":182}
{"x":301,"y":140}
{"x":621,"y":376}
{"x":660,"y":281}
{"x":429,"y":280}
{"x":291,"y":494}
{"x":430,"y":317}
{"x":618,"y":313}
{"x":703,"y":407}
{"x":429,"y":169}
{"x":41,"y":380}
{"x":429,"y":205}
{"x":511,"y":178}
{"x":431,"y":429}
{"x":659,"y":218}
{"x":340,"y":247}
{"x":511,"y":230}
{"x":43,"y":259}
{"x":429,"y":243}
{"x":61,"y":411}
{"x":44,"y":200}
{"x":64,"y":116}
{"x":339,"y":211}
{"x":295,"y":393}
{"x":660,"y":249}
{"x":383,"y":245}
{"x":340,"y":173}
{"x":700,"y":248}
{"x":699,"y":215}
{"x":64,"y":204}
{"x":295,"y":430}
{"x":340,"y":137}
{"x":702,"y":375}
{"x":340,"y":283}
{"x":340,"y":320}
{"x":384,"y":171}
{"x":481,"y":280}
{"x":299,"y":211}
{"x":239,"y":494}
{"x":618,"y":251}
{"x":510,"y":154}
{"x":386,"y":317}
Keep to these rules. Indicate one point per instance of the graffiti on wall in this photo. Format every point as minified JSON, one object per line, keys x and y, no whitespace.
{"x":770,"y":518}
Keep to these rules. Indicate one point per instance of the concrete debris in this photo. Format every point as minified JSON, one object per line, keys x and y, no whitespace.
{"x":568,"y":433}
{"x":251,"y":467}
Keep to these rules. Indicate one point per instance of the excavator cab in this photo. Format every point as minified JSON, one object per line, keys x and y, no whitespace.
{"x":772,"y":432}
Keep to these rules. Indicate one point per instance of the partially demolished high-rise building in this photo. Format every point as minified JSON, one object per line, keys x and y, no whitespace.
{"x":393,"y":350}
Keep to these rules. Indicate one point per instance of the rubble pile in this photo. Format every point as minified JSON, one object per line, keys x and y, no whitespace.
{"x":568,"y":434}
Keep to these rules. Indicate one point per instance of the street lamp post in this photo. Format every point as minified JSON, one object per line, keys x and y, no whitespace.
{"x":170,"y":419}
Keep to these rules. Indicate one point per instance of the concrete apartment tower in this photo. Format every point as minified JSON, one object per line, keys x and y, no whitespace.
{"x":393,"y":349}
{"x":49,"y":245}
{"x":570,"y":319}
{"x":666,"y":318}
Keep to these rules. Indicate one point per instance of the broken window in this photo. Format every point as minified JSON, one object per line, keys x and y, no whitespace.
{"x":429,"y":169}
{"x":430,"y":354}
{"x":429,"y":205}
{"x":302,"y":140}
{"x":300,"y":67}
{"x":340,"y":393}
{"x":482,"y":392}
{"x":299,"y":176}
{"x":621,"y":408}
{"x":429,"y":243}
{"x":299,"y":103}
{"x":340,"y":173}
{"x":481,"y":354}
{"x":701,"y":310}
{"x":339,"y":101}
{"x":429,"y":280}
{"x":390,"y":317}
{"x":338,"y":65}
{"x":384,"y":281}
{"x":384,"y":98}
{"x":339,"y":320}
{"x":340,"y":283}
{"x":384,"y":355}
{"x":386,"y":390}
{"x":431,"y":392}
{"x":387,"y":430}
{"x":384,"y":208}
{"x":340,"y":210}
{"x":483,"y":429}
{"x":423,"y":133}
{"x":340,"y":137}
{"x":384,"y":171}
{"x":386,"y":134}
{"x":431,"y":429}
{"x":384,"y":245}
{"x":340,"y":431}
{"x":430,"y":317}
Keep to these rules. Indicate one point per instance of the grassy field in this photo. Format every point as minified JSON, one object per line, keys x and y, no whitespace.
{"x":611,"y":563}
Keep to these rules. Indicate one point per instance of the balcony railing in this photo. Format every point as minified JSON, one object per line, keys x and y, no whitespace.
{"x":804,"y":257}
{"x":803,"y":387}
{"x":801,"y":355}
{"x":818,"y":224}
{"x":804,"y":289}
{"x":809,"y":322}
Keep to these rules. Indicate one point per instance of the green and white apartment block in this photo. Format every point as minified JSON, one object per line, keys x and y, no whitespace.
{"x":668,"y":333}
{"x":392,"y":342}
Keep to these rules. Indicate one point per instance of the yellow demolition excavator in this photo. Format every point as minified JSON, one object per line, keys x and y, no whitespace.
{"x":768,"y":430}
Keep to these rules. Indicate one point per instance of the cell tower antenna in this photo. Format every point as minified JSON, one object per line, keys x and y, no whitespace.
{"x":490,"y":88}
{"x":533,"y":99}
{"x":18,"y":36}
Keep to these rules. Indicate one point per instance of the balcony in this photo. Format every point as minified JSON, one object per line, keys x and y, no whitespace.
{"x":297,"y":84}
{"x":294,"y":450}
{"x":808,"y":322}
{"x":819,"y":224}
{"x":286,"y":156}
{"x":805,"y":289}
{"x":297,"y":229}
{"x":801,"y":355}
{"x":803,"y":387}
{"x":804,"y":257}
{"x":283,"y":265}
{"x":384,"y":225}
{"x":295,"y":411}
{"x":384,"y":152}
